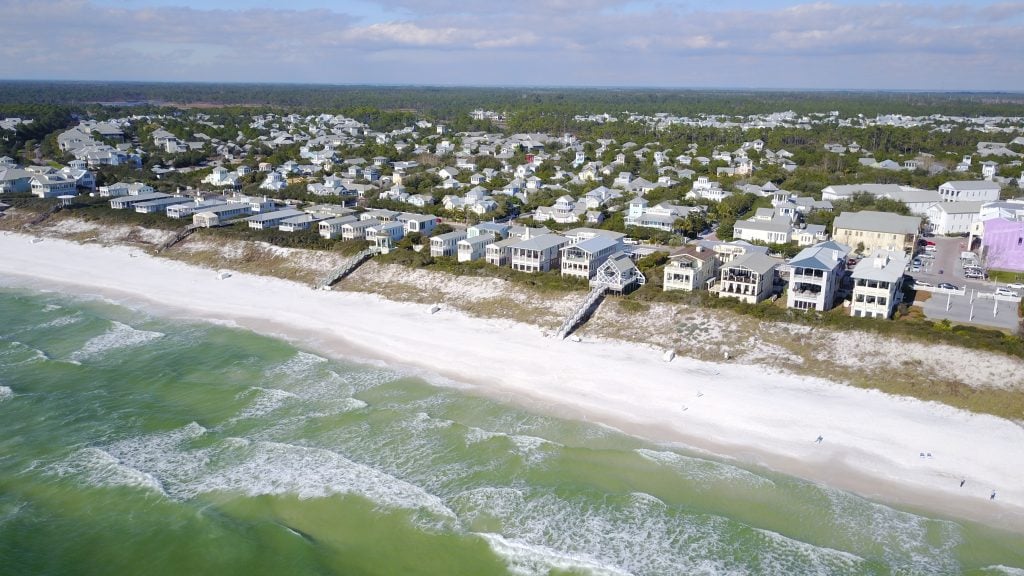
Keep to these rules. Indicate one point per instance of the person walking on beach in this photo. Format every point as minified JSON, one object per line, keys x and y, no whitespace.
{"x":962,"y":483}
{"x":819,"y":439}
{"x":993,"y":496}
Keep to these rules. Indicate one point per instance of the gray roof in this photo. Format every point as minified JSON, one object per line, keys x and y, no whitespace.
{"x":972,"y":185}
{"x":621,"y":261}
{"x":595,"y":244}
{"x":916,"y":196}
{"x":876,"y":189}
{"x":882,"y":266}
{"x":966,"y":207}
{"x":542,"y":242}
{"x":755,"y":262}
{"x":777,"y":224}
{"x":275,"y":215}
{"x":483,"y":239}
{"x":877,"y":222}
{"x":823,"y":256}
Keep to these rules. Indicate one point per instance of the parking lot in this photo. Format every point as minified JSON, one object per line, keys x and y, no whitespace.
{"x":974,"y":305}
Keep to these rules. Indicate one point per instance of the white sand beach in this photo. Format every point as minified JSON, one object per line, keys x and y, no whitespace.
{"x":871,"y":442}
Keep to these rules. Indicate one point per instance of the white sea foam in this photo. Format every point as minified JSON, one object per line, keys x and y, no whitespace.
{"x":912,"y":543}
{"x":6,"y":393}
{"x":61,"y":321}
{"x":265,"y":401}
{"x":52,"y":307}
{"x":16,"y":353}
{"x":104,"y":469}
{"x":531,"y":448}
{"x":1007,"y":570}
{"x":534,"y":560}
{"x":183,"y":471}
{"x":302,"y":364}
{"x":705,"y":472}
{"x":119,"y":336}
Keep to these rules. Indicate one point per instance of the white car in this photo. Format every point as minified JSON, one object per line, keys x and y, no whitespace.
{"x":1016,"y":286}
{"x":1006,"y":292}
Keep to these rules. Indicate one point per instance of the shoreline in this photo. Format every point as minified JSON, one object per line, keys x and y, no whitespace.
{"x":745,"y":413}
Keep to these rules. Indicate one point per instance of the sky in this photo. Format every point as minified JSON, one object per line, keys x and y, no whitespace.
{"x":786,"y":44}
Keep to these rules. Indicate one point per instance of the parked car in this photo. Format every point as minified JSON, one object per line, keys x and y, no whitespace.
{"x":923,"y":284}
{"x":1016,"y":286}
{"x":948,"y":286}
{"x":916,"y":262}
{"x":1006,"y":292}
{"x":930,"y":248}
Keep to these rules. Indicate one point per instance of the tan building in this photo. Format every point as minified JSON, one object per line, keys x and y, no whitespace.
{"x":868,"y":231}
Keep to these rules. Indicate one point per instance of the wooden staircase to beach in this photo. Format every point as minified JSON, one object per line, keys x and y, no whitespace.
{"x":45,"y":215}
{"x":347,"y":268}
{"x":582,"y":312}
{"x":181,"y":235}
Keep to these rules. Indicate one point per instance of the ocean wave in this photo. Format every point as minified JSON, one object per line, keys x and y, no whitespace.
{"x":119,"y":336}
{"x":705,"y":472}
{"x":103,"y":469}
{"x":16,"y":353}
{"x":184,"y":470}
{"x":633,"y":533}
{"x":52,"y":307}
{"x":6,"y":393}
{"x":531,"y":448}
{"x":908,"y":542}
{"x":534,"y":560}
{"x":61,"y":321}
{"x":266,"y":401}
{"x":1003,"y":570}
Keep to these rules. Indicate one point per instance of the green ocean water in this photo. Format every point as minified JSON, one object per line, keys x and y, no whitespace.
{"x":133,"y":444}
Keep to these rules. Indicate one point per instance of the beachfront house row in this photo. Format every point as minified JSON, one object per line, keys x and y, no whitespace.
{"x":583,"y":258}
{"x":160,"y":206}
{"x":691,"y":268}
{"x":618,"y":274}
{"x":815,"y":276}
{"x":270,"y":220}
{"x":421,"y":223}
{"x":218,"y":215}
{"x":180,"y":211}
{"x":126,"y":202}
{"x":537,"y":254}
{"x":446,"y":244}
{"x":867,"y":231}
{"x":303,"y":221}
{"x":878,"y":284}
{"x":475,"y":247}
{"x":750,"y":278}
{"x":385,"y":235}
{"x":331,"y":228}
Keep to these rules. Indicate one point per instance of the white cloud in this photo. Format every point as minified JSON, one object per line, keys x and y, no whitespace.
{"x":601,"y":42}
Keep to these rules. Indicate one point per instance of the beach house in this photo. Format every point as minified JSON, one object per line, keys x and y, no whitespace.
{"x":691,"y":268}
{"x":270,"y":220}
{"x":331,"y":228}
{"x":474,"y":247}
{"x":537,"y":254}
{"x":217,"y":215}
{"x":446,"y":245}
{"x":815,"y":276}
{"x":750,"y":278}
{"x":583,"y":258}
{"x":878,"y":284}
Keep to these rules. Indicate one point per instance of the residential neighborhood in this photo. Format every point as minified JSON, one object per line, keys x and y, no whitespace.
{"x":540,"y":203}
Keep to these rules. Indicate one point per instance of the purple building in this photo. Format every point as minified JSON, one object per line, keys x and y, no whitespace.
{"x":1003,"y":244}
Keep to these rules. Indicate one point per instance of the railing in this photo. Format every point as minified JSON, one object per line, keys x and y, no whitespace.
{"x":42,"y":217}
{"x":344,"y":270}
{"x":181,"y":235}
{"x":581,"y":312}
